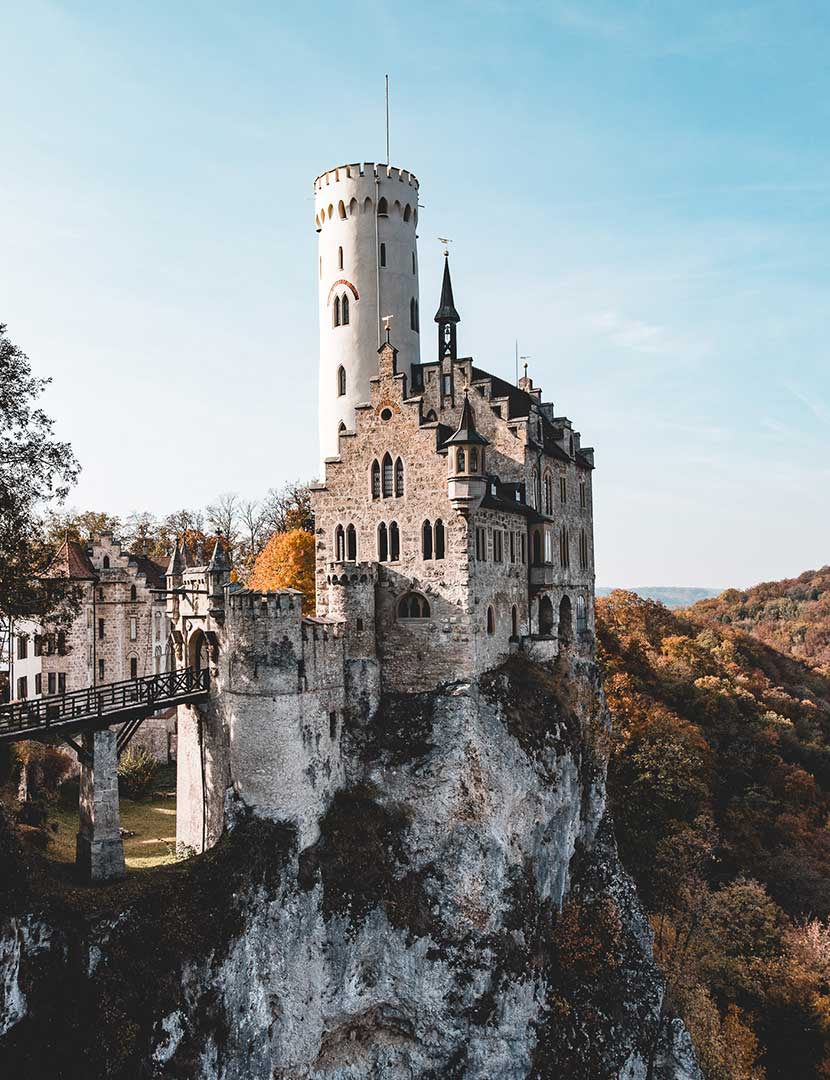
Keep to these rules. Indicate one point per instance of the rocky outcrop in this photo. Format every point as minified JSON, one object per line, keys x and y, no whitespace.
{"x":462,"y":915}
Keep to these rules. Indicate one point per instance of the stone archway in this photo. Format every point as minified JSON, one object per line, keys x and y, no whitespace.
{"x":197,"y":651}
{"x":545,"y":616}
{"x":566,"y":622}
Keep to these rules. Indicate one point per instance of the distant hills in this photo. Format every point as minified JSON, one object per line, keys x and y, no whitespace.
{"x":792,"y":616}
{"x":672,"y":596}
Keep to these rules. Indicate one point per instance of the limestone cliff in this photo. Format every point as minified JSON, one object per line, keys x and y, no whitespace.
{"x":462,"y":915}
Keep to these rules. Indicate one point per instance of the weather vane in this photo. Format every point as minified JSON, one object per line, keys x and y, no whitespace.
{"x":386,"y":320}
{"x":443,"y":240}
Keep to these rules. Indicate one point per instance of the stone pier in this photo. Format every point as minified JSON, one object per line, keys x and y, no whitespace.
{"x":100,"y":850}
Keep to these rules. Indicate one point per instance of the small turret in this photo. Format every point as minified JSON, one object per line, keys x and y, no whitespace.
{"x":447,"y":317}
{"x":466,"y":483}
{"x":218,"y":575}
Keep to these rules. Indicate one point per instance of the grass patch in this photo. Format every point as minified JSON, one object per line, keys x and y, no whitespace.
{"x":152,"y":819}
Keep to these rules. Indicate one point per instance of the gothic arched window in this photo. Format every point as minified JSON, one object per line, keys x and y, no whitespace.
{"x":383,"y":254}
{"x":375,"y":479}
{"x":133,"y":592}
{"x":345,"y":310}
{"x":581,"y":615}
{"x":514,"y":621}
{"x":387,"y":476}
{"x":336,"y":312}
{"x":340,"y":258}
{"x":491,"y":620}
{"x":106,"y":562}
{"x":351,"y":544}
{"x":548,"y":493}
{"x":426,"y":540}
{"x":339,"y":544}
{"x":460,"y":460}
{"x":412,"y":325}
{"x":341,"y":381}
{"x":394,"y":542}
{"x":439,"y":539}
{"x":413,"y":606}
{"x":399,"y":477}
{"x":473,"y":459}
{"x":383,"y":543}
{"x":564,"y":548}
{"x":383,"y":208}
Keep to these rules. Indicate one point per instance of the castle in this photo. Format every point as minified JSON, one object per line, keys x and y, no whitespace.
{"x":453,"y":526}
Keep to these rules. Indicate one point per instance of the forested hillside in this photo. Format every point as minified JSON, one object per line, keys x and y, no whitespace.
{"x":720,"y":787}
{"x":792,"y":615}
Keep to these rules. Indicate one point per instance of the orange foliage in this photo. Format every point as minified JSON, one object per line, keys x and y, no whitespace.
{"x":287,"y":562}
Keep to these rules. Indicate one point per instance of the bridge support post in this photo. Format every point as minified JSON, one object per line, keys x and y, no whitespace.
{"x":99,"y":851}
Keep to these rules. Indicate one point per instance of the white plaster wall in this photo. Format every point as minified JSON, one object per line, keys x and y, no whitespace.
{"x":359,"y":234}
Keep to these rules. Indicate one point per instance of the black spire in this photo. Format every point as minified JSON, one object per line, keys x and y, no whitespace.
{"x":446,"y":309}
{"x":447,"y":317}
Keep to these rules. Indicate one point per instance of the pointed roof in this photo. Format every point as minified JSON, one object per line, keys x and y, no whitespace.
{"x":176,"y":564}
{"x":219,"y":558}
{"x":446,"y":309}
{"x":466,"y":431}
{"x":71,"y":563}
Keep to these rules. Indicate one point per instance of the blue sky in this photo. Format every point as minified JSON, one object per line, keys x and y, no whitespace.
{"x":640,"y":192}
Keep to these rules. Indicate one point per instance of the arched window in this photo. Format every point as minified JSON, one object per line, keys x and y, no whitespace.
{"x":534,"y":480}
{"x":583,"y":494}
{"x":491,"y":620}
{"x":106,"y":562}
{"x":383,"y":543}
{"x":564,"y":548}
{"x":413,"y":262}
{"x":375,"y":479}
{"x":565,"y":620}
{"x":367,"y":205}
{"x":353,"y":207}
{"x":407,"y":212}
{"x":430,"y":417}
{"x":341,"y":381}
{"x":548,"y":493}
{"x":399,"y":477}
{"x":514,"y":621}
{"x":341,"y":210}
{"x":583,"y":550}
{"x":133,"y":667}
{"x":351,"y":544}
{"x":394,"y":542}
{"x":439,"y":539}
{"x":537,"y":548}
{"x":387,"y":476}
{"x":412,"y":313}
{"x":545,"y":616}
{"x":341,"y":427}
{"x":460,"y":460}
{"x":473,"y":459}
{"x":345,"y":310}
{"x":339,"y":544}
{"x":340,"y":256}
{"x":426,"y":540}
{"x":383,"y":208}
{"x":61,"y":643}
{"x":413,"y":606}
{"x":383,"y":254}
{"x":133,"y":592}
{"x":581,"y":615}
{"x":335,"y":319}
{"x":331,"y":211}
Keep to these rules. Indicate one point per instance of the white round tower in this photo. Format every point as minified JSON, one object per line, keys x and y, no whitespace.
{"x":365,"y":216}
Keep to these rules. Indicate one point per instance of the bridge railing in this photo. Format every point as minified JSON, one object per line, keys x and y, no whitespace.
{"x":42,"y":713}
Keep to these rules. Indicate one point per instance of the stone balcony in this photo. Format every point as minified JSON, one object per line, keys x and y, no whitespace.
{"x":542,"y":576}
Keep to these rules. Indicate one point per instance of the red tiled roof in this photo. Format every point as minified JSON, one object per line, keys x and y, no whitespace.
{"x":72,"y":563}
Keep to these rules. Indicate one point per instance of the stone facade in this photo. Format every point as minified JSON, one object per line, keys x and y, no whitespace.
{"x":453,"y":528}
{"x":121,"y":632}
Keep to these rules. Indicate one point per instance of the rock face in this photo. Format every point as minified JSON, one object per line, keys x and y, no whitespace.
{"x":463,"y":914}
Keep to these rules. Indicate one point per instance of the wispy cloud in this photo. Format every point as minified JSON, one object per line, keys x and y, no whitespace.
{"x":633,"y":334}
{"x":811,"y":401}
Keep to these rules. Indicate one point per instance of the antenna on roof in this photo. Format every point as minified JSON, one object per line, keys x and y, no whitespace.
{"x":387,"y":122}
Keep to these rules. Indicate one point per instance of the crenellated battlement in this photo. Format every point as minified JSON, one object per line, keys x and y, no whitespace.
{"x":369,"y":171}
{"x":243,"y":604}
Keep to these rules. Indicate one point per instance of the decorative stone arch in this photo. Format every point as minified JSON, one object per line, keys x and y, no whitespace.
{"x":413,"y":607}
{"x":336,"y":286}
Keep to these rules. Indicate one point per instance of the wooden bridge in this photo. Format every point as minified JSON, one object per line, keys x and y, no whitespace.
{"x":123,"y":703}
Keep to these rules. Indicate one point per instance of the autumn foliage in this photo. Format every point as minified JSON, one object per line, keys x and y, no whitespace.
{"x":287,"y":562}
{"x":720,"y":785}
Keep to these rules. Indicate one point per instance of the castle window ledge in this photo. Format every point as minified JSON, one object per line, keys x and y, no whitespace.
{"x":542,"y":576}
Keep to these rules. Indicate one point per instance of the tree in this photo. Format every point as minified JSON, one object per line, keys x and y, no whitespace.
{"x":287,"y":562}
{"x":82,"y":526}
{"x":223,"y":519}
{"x":288,"y":508}
{"x":36,"y":472}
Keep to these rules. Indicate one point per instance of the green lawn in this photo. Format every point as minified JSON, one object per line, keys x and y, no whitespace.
{"x":153,"y":820}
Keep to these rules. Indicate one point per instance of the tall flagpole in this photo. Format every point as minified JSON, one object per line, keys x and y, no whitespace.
{"x":387,"y":122}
